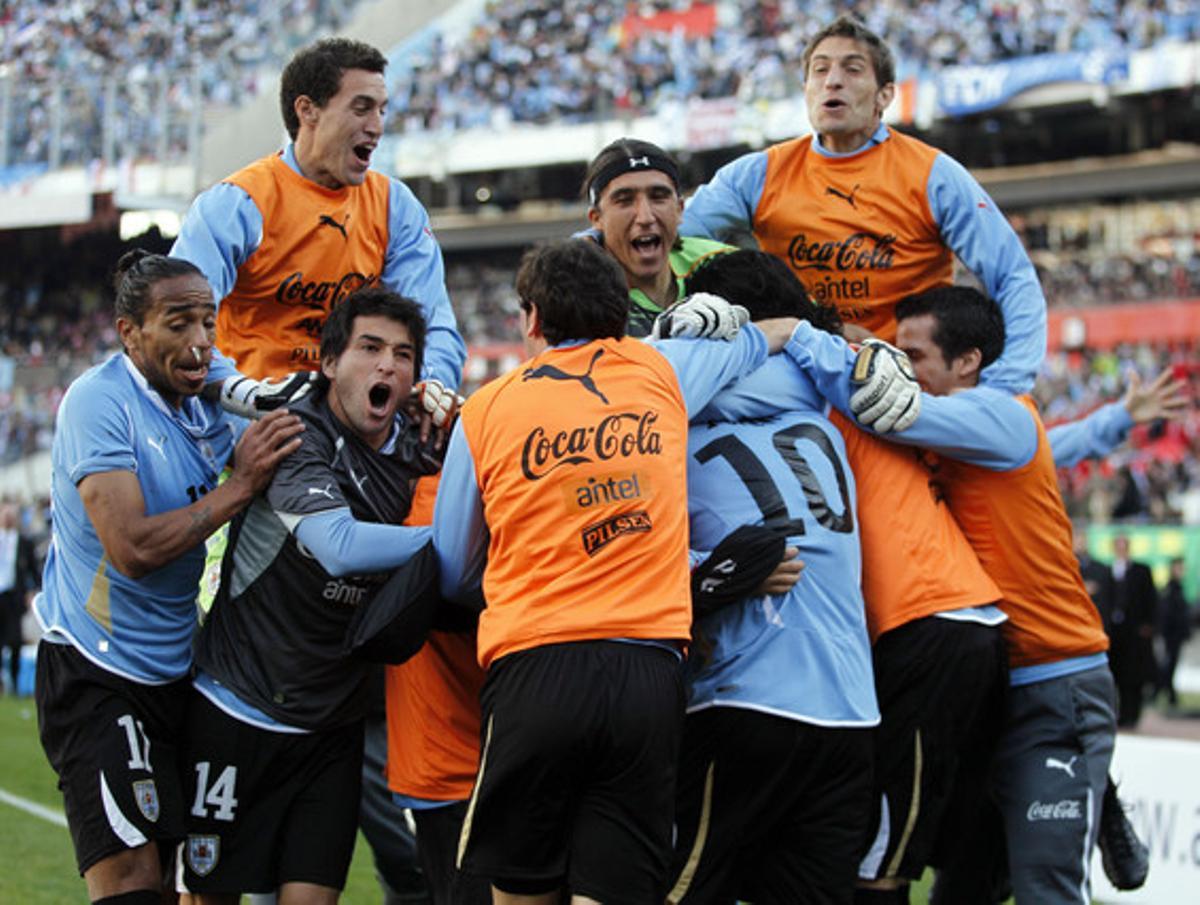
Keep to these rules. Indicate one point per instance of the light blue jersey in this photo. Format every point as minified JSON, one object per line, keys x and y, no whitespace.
{"x":111,"y":420}
{"x":805,"y":655}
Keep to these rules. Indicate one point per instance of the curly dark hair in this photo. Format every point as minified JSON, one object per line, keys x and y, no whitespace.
{"x":316,"y":71}
{"x":369,"y":302}
{"x":763,"y":285}
{"x":136,"y":274}
{"x":579,"y":290}
{"x":966,"y":319}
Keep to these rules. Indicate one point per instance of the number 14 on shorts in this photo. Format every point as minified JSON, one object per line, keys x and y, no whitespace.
{"x":220,"y":795}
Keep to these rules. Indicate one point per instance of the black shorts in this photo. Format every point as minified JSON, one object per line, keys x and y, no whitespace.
{"x":438,"y":832}
{"x":576,"y":780}
{"x":768,"y":809}
{"x":112,"y":743}
{"x":268,"y":807}
{"x":940,"y":684}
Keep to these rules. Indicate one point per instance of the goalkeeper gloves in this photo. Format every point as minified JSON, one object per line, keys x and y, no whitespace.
{"x":252,"y":398}
{"x":700,"y":316}
{"x":888,"y":397}
{"x":439,"y":401}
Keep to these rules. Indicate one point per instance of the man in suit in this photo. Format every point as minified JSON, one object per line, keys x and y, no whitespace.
{"x":18,"y":577}
{"x":1131,"y":630}
{"x":1097,"y":577}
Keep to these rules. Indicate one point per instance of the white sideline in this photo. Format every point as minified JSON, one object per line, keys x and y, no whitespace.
{"x":32,"y":807}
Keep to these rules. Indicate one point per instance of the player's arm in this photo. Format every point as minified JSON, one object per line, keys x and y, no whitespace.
{"x":137,"y":543}
{"x":413,"y":267}
{"x":750,"y":561}
{"x":220,"y":231}
{"x":460,"y":533}
{"x":983,"y":426}
{"x":724,"y":207}
{"x":973,"y":227}
{"x":343,"y":545}
{"x":704,"y":366}
{"x":1098,"y":434}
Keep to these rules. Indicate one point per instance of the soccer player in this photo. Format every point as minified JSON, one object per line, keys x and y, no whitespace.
{"x":134,"y":490}
{"x":865,"y":215}
{"x":774,"y":789}
{"x":286,"y":239}
{"x":275,"y":736}
{"x":290,"y":236}
{"x":937,"y":651}
{"x":565,"y":488}
{"x":991,"y":457}
{"x":634,"y":206}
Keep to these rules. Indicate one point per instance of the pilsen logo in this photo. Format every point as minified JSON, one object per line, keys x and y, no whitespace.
{"x":295,"y":290}
{"x":622,"y":435}
{"x":859,"y":251}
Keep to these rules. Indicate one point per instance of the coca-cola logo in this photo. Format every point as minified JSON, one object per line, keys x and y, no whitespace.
{"x":621,"y":435}
{"x":1067,"y":809}
{"x":321,"y":294}
{"x":859,"y":251}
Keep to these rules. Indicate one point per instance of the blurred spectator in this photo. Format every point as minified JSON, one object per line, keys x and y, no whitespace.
{"x":1174,"y":628}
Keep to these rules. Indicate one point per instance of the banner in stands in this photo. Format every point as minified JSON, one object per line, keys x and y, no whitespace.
{"x":698,"y":20}
{"x":971,"y":89}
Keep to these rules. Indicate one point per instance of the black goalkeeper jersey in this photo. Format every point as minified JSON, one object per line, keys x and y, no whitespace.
{"x":274,"y":634}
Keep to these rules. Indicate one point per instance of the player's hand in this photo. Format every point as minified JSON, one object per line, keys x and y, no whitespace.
{"x":737,"y":567}
{"x":1164,"y":398}
{"x":435,"y":407}
{"x":700,"y":316}
{"x":263,"y":446}
{"x":252,"y":398}
{"x":888,"y":397}
{"x":785,"y":575}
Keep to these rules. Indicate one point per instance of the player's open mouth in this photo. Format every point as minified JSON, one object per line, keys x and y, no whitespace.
{"x":363,"y":152}
{"x":194,"y":373}
{"x":646,"y":244}
{"x":378,"y":397}
{"x":834,"y":104}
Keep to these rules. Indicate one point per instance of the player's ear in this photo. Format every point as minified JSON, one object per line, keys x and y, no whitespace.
{"x":329,"y":367}
{"x":306,"y":110}
{"x":884,"y":97}
{"x":967,"y":366}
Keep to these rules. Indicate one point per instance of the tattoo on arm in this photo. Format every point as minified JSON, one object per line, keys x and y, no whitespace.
{"x":201,"y":525}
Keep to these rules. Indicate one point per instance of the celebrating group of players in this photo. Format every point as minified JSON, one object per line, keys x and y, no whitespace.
{"x":848,"y":566}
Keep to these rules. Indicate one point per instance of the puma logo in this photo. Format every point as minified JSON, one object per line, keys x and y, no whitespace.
{"x":324,"y":491}
{"x":553,"y":373}
{"x":157,"y":445}
{"x":849,"y":199}
{"x":1067,"y":767}
{"x":326,"y":220}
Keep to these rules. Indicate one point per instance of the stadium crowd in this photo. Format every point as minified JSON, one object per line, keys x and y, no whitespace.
{"x":545,"y":61}
{"x":139,"y":55}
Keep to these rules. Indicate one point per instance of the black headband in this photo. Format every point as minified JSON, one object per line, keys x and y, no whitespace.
{"x":623,"y":165}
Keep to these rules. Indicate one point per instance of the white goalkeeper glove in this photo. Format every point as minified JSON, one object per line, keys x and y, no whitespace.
{"x":252,"y":398}
{"x":700,"y":316}
{"x":888,"y":397}
{"x":441,"y":403}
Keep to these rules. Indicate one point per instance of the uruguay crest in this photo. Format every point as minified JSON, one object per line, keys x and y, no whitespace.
{"x":145,"y":793}
{"x":202,"y":854}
